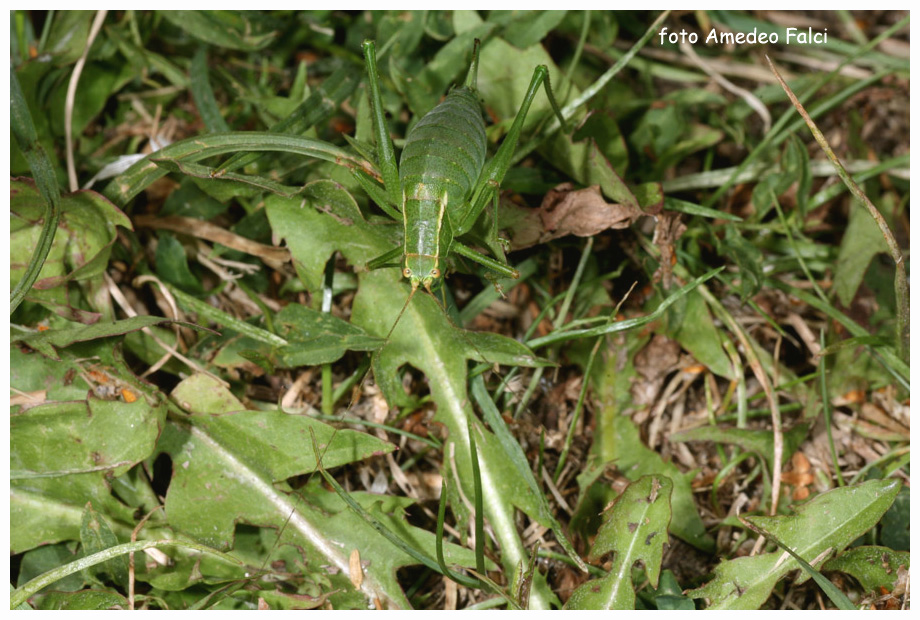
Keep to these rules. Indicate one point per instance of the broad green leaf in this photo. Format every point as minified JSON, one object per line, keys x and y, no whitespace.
{"x":602,"y":128}
{"x":85,"y":600}
{"x":504,"y":76}
{"x":438,"y":25}
{"x":426,"y":339}
{"x":67,"y":37}
{"x":38,"y":375}
{"x":325,"y":219}
{"x":861,"y":242}
{"x":837,"y":597}
{"x":86,"y":232}
{"x":188,"y":200}
{"x":403,"y":31}
{"x":44,"y":558}
{"x":895,"y":525}
{"x":99,"y":81}
{"x":47,"y":341}
{"x":65,"y":453}
{"x":318,"y":337}
{"x":524,"y":491}
{"x":669,"y":595}
{"x":49,"y":510}
{"x":172,"y":264}
{"x":817,"y":529}
{"x":873,"y":567}
{"x":617,"y":441}
{"x":635,"y":529}
{"x":697,"y":333}
{"x":529,"y":27}
{"x":634,"y":459}
{"x":277,"y":444}
{"x":233,"y":462}
{"x":96,"y":535}
{"x":58,"y":439}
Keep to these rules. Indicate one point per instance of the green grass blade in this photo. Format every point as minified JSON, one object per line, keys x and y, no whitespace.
{"x":384,"y":531}
{"x":139,"y":176}
{"x":203,"y":95}
{"x":206,"y":310}
{"x":319,"y":106}
{"x":22,"y":594}
{"x":46,"y":180}
{"x":826,"y":407}
{"x":833,"y":592}
{"x":619,"y":326}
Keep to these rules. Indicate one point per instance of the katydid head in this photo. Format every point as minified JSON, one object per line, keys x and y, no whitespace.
{"x":422,"y":270}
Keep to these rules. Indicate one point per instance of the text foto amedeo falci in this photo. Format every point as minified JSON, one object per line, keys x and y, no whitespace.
{"x":753,"y":37}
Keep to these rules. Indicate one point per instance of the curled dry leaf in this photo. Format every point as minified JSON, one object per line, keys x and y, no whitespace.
{"x":567,"y":211}
{"x":582,"y":212}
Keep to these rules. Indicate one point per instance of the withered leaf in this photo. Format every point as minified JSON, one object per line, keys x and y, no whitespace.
{"x":567,"y":211}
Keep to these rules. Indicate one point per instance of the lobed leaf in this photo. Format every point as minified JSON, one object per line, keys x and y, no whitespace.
{"x":635,"y":529}
{"x":815,"y":530}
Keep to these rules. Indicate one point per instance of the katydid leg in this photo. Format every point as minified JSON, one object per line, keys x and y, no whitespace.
{"x":387,"y":259}
{"x":377,"y":193}
{"x":386,"y":154}
{"x":490,"y":263}
{"x":495,"y":170}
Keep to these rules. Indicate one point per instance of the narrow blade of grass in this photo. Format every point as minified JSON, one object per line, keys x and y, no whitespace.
{"x":43,"y":171}
{"x":203,"y":95}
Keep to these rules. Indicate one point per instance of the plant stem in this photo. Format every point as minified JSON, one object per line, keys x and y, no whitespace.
{"x":901,"y":290}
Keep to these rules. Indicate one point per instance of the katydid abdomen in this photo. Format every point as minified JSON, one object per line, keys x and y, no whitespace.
{"x":439,"y":166}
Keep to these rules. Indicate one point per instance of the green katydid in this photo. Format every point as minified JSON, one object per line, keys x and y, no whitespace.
{"x":443,"y":182}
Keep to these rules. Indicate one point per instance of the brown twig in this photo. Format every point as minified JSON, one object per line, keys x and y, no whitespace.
{"x":901,"y":291}
{"x":211,"y":232}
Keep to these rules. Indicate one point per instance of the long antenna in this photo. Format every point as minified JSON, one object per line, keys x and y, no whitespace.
{"x":399,"y":316}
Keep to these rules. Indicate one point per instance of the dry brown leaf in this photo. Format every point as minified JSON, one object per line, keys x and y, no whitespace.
{"x":582,"y":212}
{"x":567,"y":211}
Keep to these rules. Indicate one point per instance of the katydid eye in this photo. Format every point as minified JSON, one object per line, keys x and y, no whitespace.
{"x":407,"y":273}
{"x":435,"y":273}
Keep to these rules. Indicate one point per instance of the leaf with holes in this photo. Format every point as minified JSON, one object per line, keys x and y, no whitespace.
{"x":635,"y":529}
